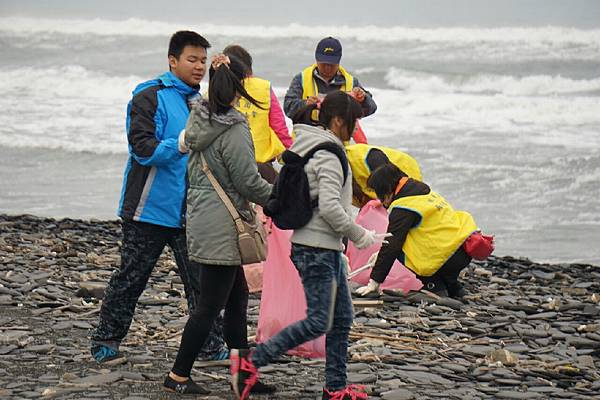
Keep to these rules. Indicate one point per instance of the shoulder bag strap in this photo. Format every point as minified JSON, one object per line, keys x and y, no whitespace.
{"x":226,"y":200}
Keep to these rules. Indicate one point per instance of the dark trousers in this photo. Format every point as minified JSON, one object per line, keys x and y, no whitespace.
{"x":142,"y":245}
{"x":329,"y":311}
{"x":216,"y":288}
{"x":448,"y":273}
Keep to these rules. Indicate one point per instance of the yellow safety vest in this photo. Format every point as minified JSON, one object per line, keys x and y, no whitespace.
{"x":267,"y":145}
{"x":357,"y":157}
{"x":309,"y":86}
{"x":437,"y":236}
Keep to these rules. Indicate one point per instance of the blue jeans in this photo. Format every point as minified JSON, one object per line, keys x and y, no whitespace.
{"x":329,"y":311}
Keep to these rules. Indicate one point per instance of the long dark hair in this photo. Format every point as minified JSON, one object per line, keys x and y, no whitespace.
{"x":225,"y":84}
{"x":384,"y":179}
{"x":241,"y":54}
{"x":336,"y":104}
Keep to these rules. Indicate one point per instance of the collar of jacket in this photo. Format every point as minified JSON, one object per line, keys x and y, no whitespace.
{"x":203,"y":132}
{"x":169,"y":79}
{"x":317,"y":132}
{"x":337,"y":80}
{"x":231,"y":117}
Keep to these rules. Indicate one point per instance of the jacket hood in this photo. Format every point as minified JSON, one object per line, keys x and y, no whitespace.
{"x":208,"y":131}
{"x":168,"y":79}
{"x":308,"y":136}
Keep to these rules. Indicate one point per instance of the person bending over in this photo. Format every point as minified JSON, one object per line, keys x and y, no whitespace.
{"x":427,"y":233}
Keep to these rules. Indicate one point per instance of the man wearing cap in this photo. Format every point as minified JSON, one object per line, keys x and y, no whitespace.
{"x":324,"y":77}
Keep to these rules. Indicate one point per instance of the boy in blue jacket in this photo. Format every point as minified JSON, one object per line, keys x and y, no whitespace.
{"x":152,"y":205}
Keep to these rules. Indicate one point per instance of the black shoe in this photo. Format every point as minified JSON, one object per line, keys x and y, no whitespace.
{"x":455,"y":290}
{"x":263,"y":388}
{"x":187,"y":387}
{"x":436,"y":287}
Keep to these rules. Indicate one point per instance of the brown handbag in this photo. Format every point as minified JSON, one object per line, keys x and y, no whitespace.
{"x":252,"y":238}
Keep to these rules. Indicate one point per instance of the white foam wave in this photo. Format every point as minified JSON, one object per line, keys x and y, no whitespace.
{"x":572,"y":122}
{"x":68,"y":108}
{"x":535,"y":85}
{"x":547,"y":36}
{"x":81,"y":110}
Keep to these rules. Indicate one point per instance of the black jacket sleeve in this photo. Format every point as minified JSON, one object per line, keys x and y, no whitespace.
{"x":142,"y":125}
{"x":400,"y":222}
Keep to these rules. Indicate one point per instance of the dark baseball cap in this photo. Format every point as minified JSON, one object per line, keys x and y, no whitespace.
{"x":329,"y":51}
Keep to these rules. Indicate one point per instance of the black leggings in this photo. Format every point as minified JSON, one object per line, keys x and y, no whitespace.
{"x":216,"y":287}
{"x":448,"y":273}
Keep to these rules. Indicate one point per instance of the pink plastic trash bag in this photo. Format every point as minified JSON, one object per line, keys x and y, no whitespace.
{"x":375,"y":217}
{"x":282,"y":302}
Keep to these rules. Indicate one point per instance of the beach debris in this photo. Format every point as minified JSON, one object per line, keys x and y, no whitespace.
{"x":524,"y":330}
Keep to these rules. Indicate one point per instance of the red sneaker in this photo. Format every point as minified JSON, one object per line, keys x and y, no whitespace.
{"x":352,"y":392}
{"x":244,"y":374}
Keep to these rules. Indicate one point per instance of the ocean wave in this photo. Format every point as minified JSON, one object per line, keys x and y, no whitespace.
{"x":534,"y":85}
{"x":81,"y":110}
{"x":68,"y":108}
{"x":547,"y":36}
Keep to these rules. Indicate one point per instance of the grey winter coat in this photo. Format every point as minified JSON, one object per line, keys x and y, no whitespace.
{"x":331,"y":220}
{"x":229,"y":152}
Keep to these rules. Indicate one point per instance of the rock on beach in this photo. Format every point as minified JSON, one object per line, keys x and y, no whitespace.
{"x":524,"y":331}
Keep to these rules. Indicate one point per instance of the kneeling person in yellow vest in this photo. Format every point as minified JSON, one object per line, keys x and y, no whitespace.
{"x":427,"y":233}
{"x":267,"y":126}
{"x":365,"y":158}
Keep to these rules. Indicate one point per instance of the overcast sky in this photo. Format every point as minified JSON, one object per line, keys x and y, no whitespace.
{"x":421,"y":13}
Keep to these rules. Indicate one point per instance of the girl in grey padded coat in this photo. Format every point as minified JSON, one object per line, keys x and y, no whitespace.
{"x":219,"y":132}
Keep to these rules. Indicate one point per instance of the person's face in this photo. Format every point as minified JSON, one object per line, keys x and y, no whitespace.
{"x":190,"y":67}
{"x":327,"y":71}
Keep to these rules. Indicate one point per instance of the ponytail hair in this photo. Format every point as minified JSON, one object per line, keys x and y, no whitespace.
{"x":336,"y":104}
{"x":304,"y":115}
{"x":225,"y":85}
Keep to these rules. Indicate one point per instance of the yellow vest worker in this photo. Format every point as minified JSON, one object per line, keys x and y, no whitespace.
{"x":440,"y":232}
{"x":309,"y":86}
{"x":357,"y":157}
{"x":267,"y":145}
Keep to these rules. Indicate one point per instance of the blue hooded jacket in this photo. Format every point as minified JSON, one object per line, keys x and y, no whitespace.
{"x":154,"y":182}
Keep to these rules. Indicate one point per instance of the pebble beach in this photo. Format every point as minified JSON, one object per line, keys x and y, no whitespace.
{"x":525,"y":330}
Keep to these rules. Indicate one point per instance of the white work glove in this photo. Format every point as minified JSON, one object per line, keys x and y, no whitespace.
{"x":181,"y":142}
{"x":346,"y":262}
{"x":370,"y":288}
{"x":370,"y":238}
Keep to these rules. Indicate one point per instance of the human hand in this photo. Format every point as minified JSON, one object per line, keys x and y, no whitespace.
{"x":370,"y":238}
{"x":371,"y":287}
{"x":219,"y":59}
{"x":312,"y":100}
{"x":181,"y":143}
{"x":359,"y":94}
